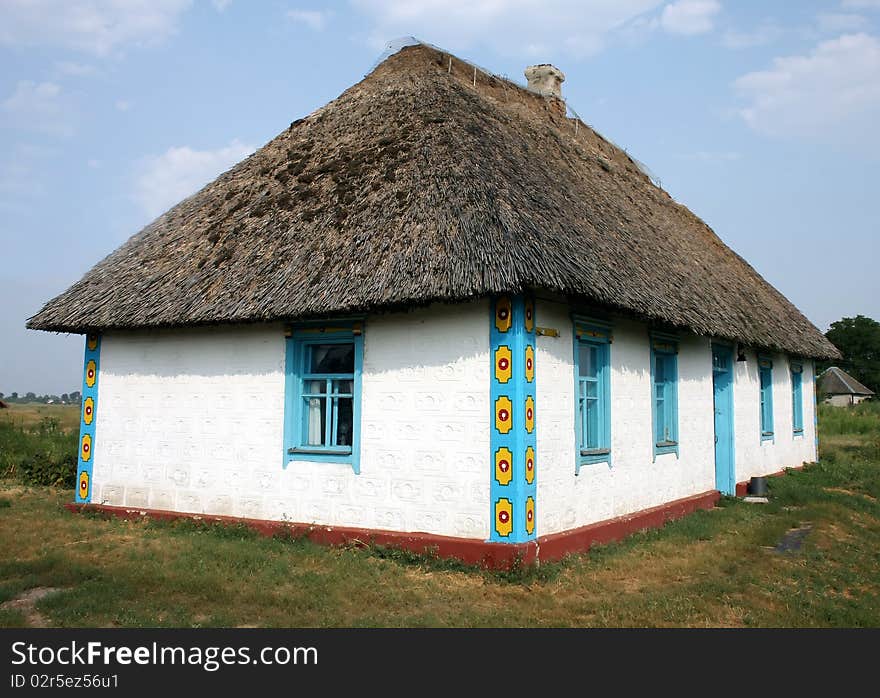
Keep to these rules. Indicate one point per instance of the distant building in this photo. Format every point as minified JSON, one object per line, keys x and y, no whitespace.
{"x":841,"y":389}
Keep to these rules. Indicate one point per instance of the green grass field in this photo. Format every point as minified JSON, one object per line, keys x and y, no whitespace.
{"x":714,"y":568}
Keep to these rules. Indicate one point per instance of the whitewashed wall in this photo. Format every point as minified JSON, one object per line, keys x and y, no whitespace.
{"x":753,"y":456}
{"x":635,"y":480}
{"x":192,"y":421}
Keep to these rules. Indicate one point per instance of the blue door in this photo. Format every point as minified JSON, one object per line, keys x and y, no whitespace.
{"x":722,"y":388}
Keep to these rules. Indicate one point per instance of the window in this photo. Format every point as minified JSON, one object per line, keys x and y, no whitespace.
{"x":664,"y":379}
{"x":592,"y":393}
{"x":765,"y":371}
{"x":797,"y":398}
{"x":322,"y":394}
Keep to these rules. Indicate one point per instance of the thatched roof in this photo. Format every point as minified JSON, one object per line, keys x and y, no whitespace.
{"x":414,"y":186}
{"x":836,"y":381}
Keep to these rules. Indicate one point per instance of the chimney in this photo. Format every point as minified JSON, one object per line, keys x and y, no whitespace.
{"x":546,"y":80}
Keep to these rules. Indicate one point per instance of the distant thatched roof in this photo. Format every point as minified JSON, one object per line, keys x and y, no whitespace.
{"x":417,"y":186}
{"x":836,"y":381}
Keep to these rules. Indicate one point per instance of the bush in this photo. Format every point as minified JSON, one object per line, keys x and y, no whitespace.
{"x":44,"y":455}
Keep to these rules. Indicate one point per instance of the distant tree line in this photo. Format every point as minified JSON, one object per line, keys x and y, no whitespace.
{"x":74,"y":398}
{"x":858,"y":339}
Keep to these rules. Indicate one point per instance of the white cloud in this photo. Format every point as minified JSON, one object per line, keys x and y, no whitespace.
{"x":161,"y":181}
{"x":831,"y":95}
{"x":510,"y":27}
{"x":74,"y":69}
{"x":835,"y":22}
{"x":98,"y":27}
{"x":122,"y":104}
{"x":313,"y":19}
{"x":690,"y":17}
{"x":221,"y":5}
{"x":37,"y":106}
{"x":765,"y":33}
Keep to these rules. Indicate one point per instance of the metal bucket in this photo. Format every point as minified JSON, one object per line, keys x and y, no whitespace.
{"x":758,"y":486}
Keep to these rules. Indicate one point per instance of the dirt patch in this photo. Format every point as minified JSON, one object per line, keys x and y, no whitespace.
{"x":841,"y":490}
{"x":26,"y":602}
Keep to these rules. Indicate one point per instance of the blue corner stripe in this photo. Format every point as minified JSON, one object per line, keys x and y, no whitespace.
{"x":513,"y":420}
{"x":88,"y":418}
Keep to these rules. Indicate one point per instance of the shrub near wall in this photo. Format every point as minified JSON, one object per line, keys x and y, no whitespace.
{"x":43,"y":454}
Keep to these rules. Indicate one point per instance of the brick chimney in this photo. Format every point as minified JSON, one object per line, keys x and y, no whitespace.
{"x":546,"y":80}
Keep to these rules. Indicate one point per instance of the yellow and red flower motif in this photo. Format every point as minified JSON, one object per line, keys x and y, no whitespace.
{"x":92,"y":342}
{"x":85,"y":450}
{"x":530,"y":363}
{"x":503,"y":517}
{"x":530,"y":315}
{"x":530,"y":465}
{"x":83,"y":485}
{"x":91,"y":373}
{"x":503,"y":466}
{"x":530,"y":515}
{"x":503,"y":314}
{"x":503,"y":369}
{"x":530,"y":414}
{"x":88,"y":410}
{"x":503,"y":414}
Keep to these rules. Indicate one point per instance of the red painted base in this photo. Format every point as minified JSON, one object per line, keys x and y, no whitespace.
{"x":468,"y":550}
{"x":742,"y":488}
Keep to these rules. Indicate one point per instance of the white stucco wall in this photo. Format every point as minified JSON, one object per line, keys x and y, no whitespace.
{"x":192,"y":421}
{"x":753,"y":456}
{"x":635,"y":480}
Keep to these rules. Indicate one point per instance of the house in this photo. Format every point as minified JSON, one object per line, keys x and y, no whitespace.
{"x":837,"y":387}
{"x":436,"y":313}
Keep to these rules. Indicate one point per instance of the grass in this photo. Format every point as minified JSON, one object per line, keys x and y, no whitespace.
{"x":38,"y":443}
{"x":714,"y":568}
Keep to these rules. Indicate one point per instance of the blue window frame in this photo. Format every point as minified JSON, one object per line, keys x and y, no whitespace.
{"x":323,"y":393}
{"x":765,"y":372}
{"x":592,"y":375}
{"x":797,"y":398}
{"x":664,"y":383}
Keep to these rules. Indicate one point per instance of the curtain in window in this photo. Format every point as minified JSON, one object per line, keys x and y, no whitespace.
{"x":316,"y":433}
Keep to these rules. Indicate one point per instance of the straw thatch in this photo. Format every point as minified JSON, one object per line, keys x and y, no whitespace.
{"x":417,"y":185}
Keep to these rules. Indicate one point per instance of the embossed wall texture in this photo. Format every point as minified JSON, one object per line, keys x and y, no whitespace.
{"x":636,"y":480}
{"x":192,"y":421}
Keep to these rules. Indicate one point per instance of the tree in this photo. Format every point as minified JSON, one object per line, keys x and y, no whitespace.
{"x":14,"y":396}
{"x":858,"y":339}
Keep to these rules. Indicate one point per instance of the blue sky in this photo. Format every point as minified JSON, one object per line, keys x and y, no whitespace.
{"x":761,"y":117}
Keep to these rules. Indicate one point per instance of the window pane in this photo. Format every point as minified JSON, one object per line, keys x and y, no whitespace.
{"x":660,"y":414}
{"x":344,"y":421}
{"x":659,"y":368}
{"x":591,"y":389}
{"x":587,"y":360}
{"x":343,"y":386}
{"x":592,"y":436}
{"x":315,"y":420}
{"x":331,"y":358}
